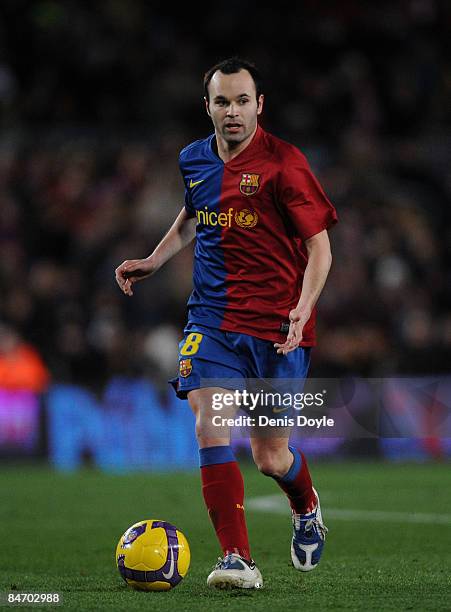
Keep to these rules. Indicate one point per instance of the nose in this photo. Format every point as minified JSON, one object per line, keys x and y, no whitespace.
{"x":231,"y":110}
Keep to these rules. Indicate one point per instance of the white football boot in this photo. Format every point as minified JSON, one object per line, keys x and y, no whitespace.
{"x":309,"y":533}
{"x":234,"y":572}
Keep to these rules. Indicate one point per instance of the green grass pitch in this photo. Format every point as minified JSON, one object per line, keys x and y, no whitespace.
{"x":59,"y":533}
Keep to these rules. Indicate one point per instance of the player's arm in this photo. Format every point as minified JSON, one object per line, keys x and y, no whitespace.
{"x":180,"y":234}
{"x":316,"y":271}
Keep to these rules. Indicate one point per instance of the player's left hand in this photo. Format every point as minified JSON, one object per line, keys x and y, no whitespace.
{"x":298,"y":319}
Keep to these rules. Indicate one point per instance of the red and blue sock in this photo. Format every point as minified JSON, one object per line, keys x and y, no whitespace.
{"x":223,"y":491}
{"x":297,"y":484}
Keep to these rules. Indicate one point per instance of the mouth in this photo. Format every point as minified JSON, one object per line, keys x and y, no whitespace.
{"x":233,"y":127}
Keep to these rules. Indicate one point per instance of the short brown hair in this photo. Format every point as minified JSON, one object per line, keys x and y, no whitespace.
{"x":231,"y":66}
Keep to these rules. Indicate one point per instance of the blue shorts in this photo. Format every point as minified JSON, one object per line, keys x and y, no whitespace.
{"x":212,"y":357}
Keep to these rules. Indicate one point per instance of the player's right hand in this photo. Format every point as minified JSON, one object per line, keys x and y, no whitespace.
{"x":133,"y":270}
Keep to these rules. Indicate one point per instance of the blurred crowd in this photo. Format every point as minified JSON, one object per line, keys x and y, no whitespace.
{"x":97,"y":100}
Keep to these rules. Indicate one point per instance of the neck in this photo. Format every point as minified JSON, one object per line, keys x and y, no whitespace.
{"x":228,"y":150}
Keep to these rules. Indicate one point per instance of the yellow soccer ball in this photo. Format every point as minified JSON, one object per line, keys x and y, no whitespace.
{"x":153,"y":555}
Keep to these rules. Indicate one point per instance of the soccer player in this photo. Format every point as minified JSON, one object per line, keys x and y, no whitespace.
{"x":262,"y":256}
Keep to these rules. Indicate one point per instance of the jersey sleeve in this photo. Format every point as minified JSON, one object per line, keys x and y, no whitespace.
{"x":303,"y":198}
{"x":188,"y":202}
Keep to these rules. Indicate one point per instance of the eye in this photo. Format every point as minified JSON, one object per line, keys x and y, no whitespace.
{"x":244,"y":101}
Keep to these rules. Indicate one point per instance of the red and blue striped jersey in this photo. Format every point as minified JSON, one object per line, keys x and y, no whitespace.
{"x":254,"y":214}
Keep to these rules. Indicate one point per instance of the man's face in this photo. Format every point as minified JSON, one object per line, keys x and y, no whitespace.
{"x":233,"y":106}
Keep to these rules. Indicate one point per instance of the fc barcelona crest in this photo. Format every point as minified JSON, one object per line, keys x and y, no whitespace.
{"x":249,"y":183}
{"x":185,"y":367}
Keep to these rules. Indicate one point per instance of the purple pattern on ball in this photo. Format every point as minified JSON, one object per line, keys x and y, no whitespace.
{"x":169,"y":572}
{"x":132,"y":534}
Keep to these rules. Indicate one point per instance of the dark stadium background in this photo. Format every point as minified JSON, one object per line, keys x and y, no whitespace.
{"x":96,"y":101}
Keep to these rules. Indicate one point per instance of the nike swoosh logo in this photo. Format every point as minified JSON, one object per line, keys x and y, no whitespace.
{"x":169,"y":575}
{"x":194,"y":183}
{"x":277,"y":410}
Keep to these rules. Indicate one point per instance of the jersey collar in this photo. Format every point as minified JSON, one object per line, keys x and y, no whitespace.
{"x":245,"y":155}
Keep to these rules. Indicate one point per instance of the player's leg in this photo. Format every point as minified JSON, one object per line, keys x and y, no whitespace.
{"x":274,"y":457}
{"x":222,"y":482}
{"x":223,"y":492}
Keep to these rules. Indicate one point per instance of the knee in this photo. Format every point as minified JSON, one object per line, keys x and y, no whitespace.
{"x":208,"y":435}
{"x":203,"y":426}
{"x":204,"y":435}
{"x":273,"y":460}
{"x":267,"y":465}
{"x":209,"y":430}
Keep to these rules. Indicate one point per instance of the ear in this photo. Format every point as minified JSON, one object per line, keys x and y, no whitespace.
{"x":207,"y":106}
{"x":261,"y":99}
